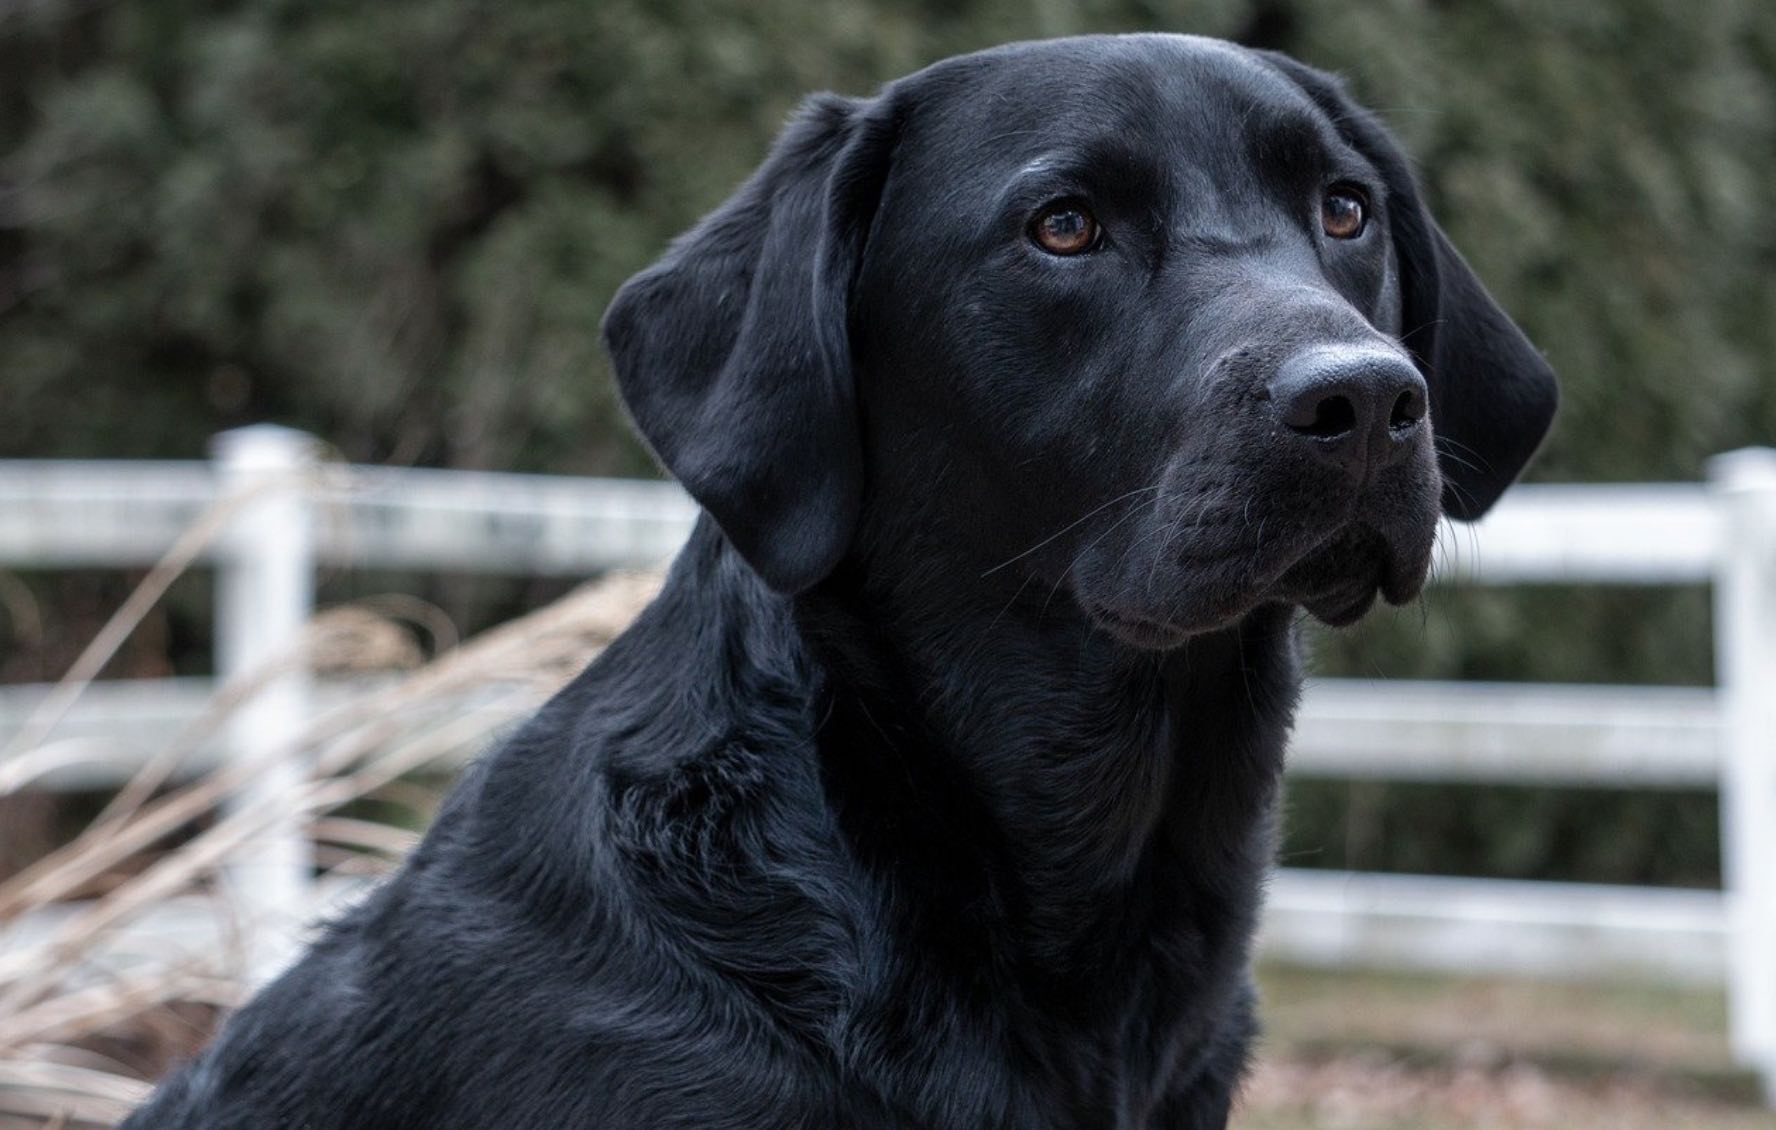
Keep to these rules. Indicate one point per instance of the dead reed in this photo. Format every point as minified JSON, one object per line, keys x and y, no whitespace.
{"x":93,"y":998}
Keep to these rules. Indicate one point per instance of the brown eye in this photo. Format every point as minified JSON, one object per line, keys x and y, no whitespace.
{"x":1344,"y":213}
{"x":1064,"y":229}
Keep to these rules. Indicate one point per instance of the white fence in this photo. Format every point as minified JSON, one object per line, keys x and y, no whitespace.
{"x":292,"y":516}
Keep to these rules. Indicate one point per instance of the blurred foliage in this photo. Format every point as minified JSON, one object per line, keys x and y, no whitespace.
{"x":396,"y":225}
{"x":1635,"y":836}
{"x":1539,"y":633}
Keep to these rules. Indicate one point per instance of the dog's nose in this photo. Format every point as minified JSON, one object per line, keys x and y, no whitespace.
{"x":1360,"y":407}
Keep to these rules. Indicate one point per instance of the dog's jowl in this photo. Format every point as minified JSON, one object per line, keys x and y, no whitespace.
{"x":1027,"y":401}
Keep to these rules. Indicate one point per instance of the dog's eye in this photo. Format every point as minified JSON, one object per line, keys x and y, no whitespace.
{"x":1344,"y":212}
{"x":1065,"y":228}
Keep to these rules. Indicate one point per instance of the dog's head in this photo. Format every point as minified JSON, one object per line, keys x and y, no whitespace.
{"x":1158,"y":320}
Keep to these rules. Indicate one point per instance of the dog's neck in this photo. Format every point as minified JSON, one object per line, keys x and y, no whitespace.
{"x":1060,"y":786}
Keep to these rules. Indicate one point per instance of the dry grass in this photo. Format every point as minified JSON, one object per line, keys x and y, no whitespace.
{"x":83,"y":1021}
{"x":1372,"y":1092}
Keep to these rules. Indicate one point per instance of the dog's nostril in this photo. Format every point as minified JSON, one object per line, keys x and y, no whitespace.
{"x":1408,"y":409}
{"x":1327,"y":418}
{"x":1360,"y":408}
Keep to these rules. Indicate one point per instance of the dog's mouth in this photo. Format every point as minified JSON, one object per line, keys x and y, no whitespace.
{"x":1336,"y":582}
{"x":1137,"y":630}
{"x":1329,"y":553}
{"x":1344,"y":605}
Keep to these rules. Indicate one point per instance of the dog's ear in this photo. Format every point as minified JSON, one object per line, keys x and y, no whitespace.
{"x":732,"y":351}
{"x":1492,"y":394}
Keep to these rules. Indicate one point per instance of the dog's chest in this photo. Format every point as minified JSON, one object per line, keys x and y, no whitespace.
{"x":1109,"y":1035}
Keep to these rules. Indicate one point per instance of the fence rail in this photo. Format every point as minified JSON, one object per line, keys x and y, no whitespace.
{"x":1348,"y":729}
{"x":1723,"y":533}
{"x":117,"y":514}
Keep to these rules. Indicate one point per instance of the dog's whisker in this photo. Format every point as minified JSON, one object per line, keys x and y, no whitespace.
{"x":1087,"y":548}
{"x":1446,"y":447}
{"x":1006,"y":607}
{"x":1070,"y":525}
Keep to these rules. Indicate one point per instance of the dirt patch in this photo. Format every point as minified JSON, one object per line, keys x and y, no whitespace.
{"x":1373,"y":1093}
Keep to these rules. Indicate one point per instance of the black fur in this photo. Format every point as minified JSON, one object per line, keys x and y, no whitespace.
{"x":936,"y":788}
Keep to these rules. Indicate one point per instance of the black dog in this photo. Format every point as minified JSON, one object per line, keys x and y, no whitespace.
{"x":1027,"y":401}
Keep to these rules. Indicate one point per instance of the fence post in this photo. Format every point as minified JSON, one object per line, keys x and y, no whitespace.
{"x":1745,"y":661}
{"x":264,"y":597}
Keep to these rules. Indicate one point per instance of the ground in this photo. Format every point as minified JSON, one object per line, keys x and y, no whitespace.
{"x":1348,"y":1051}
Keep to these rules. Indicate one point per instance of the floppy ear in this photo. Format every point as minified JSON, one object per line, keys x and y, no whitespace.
{"x":732,"y":353}
{"x":1492,"y":394}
